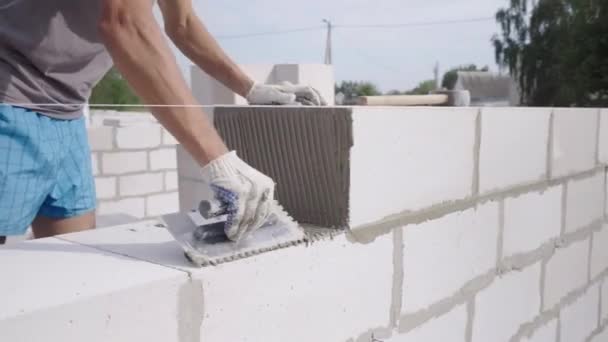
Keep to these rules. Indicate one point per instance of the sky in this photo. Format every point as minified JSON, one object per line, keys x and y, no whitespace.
{"x":391,"y":58}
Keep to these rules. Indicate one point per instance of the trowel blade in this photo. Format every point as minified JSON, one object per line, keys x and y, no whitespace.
{"x":204,"y":244}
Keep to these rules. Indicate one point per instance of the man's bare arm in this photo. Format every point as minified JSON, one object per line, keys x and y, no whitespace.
{"x":141,"y":53}
{"x":192,"y":37}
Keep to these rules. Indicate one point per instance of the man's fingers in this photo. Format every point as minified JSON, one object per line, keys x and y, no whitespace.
{"x":285,"y":98}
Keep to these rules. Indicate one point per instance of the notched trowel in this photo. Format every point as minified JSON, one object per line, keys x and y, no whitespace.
{"x":205,"y":242}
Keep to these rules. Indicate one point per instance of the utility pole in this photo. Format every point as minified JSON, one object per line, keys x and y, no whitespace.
{"x":436,"y":72}
{"x":328,"y":54}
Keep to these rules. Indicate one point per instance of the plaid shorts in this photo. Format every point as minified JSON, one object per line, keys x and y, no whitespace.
{"x":45,"y":169}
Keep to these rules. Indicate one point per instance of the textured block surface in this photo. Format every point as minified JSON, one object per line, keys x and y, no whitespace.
{"x":513,"y":147}
{"x":440,"y":256}
{"x":574,"y":140}
{"x":531,"y":220}
{"x":566,"y":271}
{"x":448,"y":327}
{"x":304,"y":150}
{"x":585,"y":202}
{"x":498,"y":315}
{"x":412,"y":158}
{"x":580,"y":319}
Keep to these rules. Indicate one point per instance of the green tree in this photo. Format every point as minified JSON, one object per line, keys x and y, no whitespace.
{"x":113,"y":89}
{"x":557,"y":50}
{"x":451,"y":77}
{"x":354,"y":89}
{"x":423,"y":88}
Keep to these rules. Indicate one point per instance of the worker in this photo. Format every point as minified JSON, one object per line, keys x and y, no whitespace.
{"x":53,"y":52}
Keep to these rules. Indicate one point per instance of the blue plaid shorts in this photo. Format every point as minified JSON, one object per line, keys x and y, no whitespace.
{"x":45,"y":169}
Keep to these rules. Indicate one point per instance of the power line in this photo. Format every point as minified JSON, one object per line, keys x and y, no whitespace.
{"x":270,"y":33}
{"x":421,"y":23}
{"x":355,"y":26}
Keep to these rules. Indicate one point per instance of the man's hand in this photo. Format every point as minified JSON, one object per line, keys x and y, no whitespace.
{"x":245,"y":194}
{"x":285,"y":94}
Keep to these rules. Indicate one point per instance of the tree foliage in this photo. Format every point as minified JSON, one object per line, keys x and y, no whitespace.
{"x":451,"y":77}
{"x":354,"y":89}
{"x":423,"y":88}
{"x":557,"y":50}
{"x":113,"y":89}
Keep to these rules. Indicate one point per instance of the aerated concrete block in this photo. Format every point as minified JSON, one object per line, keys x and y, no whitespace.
{"x":341,"y":166}
{"x":513,"y":147}
{"x":269,"y":297}
{"x":585,"y":202}
{"x":449,"y":327}
{"x":69,"y":292}
{"x":138,"y":136}
{"x":565,"y":272}
{"x":512,"y":300}
{"x":580,"y":319}
{"x":119,"y":163}
{"x":531,"y":220}
{"x":574,"y":140}
{"x":441,"y":256}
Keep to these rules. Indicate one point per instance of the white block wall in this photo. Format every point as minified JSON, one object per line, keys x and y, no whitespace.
{"x":464,"y":247}
{"x":580,"y":319}
{"x":448,"y":327}
{"x":565,"y":272}
{"x":448,"y":256}
{"x":541,"y":211}
{"x":574,"y":140}
{"x":410,"y":147}
{"x":508,"y":159}
{"x":134,"y":163}
{"x":509,"y":302}
{"x":585,"y":202}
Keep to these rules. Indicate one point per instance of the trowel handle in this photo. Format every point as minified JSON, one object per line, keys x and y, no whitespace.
{"x":210,"y":209}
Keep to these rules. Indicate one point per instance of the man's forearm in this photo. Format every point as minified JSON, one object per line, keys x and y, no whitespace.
{"x":139,"y":50}
{"x":192,"y":37}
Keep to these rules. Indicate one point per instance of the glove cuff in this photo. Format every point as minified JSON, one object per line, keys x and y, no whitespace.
{"x":253,"y":88}
{"x":225,"y":166}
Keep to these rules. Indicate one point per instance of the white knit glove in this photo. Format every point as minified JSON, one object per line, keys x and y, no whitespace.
{"x":245,"y":195}
{"x":285,"y":94}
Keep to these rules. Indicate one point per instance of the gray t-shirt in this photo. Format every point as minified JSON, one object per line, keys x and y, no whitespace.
{"x":50,"y":53}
